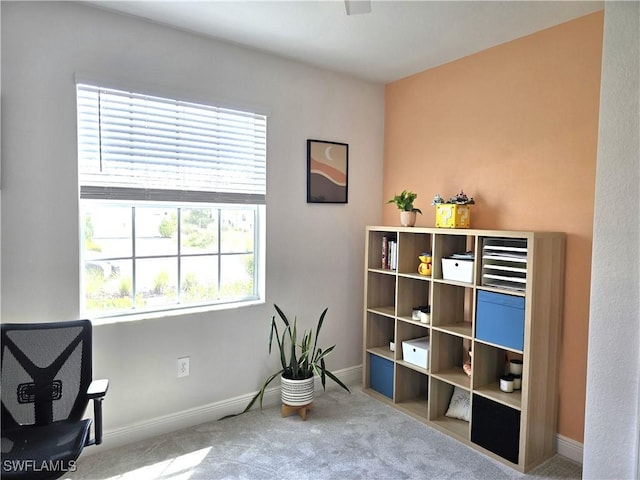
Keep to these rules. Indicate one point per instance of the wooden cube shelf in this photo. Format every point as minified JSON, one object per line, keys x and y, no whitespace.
{"x":514,"y":270}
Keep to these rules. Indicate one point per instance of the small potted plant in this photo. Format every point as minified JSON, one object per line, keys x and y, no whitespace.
{"x":404,"y":202}
{"x":299,"y":362}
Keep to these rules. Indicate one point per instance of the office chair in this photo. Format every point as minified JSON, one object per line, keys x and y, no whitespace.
{"x":46,"y":387}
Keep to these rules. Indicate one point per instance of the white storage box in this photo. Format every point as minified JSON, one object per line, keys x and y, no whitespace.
{"x":458,"y":270}
{"x":416,"y":351}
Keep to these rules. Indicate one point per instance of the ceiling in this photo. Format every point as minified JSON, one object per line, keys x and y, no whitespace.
{"x":396,"y":39}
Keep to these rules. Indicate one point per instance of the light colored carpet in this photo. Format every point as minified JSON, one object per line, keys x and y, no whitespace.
{"x":345,"y":436}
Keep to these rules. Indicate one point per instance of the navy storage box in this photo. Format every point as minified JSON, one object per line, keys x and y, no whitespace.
{"x":500,"y":319}
{"x":381,"y":375}
{"x":495,"y":427}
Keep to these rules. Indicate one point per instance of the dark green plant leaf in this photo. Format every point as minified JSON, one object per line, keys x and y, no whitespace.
{"x":323,"y":353}
{"x":282,"y":315}
{"x":323,"y":369}
{"x":293,"y":361}
{"x":283,"y":359}
{"x":337,"y":380}
{"x":258,"y":395}
{"x":273,"y":327}
{"x":320,"y":322}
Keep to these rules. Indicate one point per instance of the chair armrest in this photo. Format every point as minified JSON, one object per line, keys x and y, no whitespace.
{"x":96,"y":392}
{"x":98,"y":388}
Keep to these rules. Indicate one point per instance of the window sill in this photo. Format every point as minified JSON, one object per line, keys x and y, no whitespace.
{"x":134,"y":317}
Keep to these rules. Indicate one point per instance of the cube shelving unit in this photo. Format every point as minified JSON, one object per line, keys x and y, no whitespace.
{"x":511,"y":307}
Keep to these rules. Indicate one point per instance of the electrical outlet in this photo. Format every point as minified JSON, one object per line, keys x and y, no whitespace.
{"x":183,"y":367}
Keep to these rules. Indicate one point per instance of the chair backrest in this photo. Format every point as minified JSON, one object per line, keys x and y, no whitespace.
{"x":46,"y":369}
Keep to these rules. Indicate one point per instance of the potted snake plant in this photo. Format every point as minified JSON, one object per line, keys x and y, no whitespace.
{"x":300,"y":362}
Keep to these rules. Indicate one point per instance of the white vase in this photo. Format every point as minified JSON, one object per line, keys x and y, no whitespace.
{"x":297,"y":392}
{"x":407,"y":219}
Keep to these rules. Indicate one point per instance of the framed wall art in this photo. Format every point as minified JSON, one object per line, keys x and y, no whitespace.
{"x":327,"y":172}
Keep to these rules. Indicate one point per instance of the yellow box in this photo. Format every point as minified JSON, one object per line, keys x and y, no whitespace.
{"x":451,"y":215}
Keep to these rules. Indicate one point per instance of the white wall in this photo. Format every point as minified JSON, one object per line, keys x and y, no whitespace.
{"x":315,"y":253}
{"x":0,"y":163}
{"x":613,"y":372}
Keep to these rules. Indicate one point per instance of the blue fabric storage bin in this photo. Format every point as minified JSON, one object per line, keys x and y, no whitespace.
{"x":500,"y":319}
{"x":381,"y":375}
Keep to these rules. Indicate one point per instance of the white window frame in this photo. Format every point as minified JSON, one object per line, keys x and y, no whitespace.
{"x":252,"y":194}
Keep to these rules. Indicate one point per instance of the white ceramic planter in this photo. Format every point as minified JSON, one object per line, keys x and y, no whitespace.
{"x":297,"y":392}
{"x":407,"y":219}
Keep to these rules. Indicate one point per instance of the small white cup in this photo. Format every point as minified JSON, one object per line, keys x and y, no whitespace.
{"x":515,"y":366}
{"x":506,"y":383}
{"x":517,"y":382}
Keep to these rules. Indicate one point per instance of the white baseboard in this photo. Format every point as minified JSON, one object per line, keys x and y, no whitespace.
{"x":569,"y":448}
{"x":206,"y":413}
{"x":118,"y":437}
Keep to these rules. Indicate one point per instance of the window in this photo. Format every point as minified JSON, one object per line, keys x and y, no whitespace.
{"x":172,"y":198}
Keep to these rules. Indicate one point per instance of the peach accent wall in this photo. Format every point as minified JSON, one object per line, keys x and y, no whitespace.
{"x":516,"y":127}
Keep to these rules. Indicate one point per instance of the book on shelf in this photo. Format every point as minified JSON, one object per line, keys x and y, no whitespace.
{"x":393,"y":254}
{"x":389,"y":253}
{"x":385,"y":247}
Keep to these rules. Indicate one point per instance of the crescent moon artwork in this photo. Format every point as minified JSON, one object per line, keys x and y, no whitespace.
{"x":327,"y":171}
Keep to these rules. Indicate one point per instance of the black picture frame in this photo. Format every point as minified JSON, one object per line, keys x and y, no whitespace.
{"x":327,"y":172}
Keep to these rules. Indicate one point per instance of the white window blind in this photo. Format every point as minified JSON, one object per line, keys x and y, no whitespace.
{"x":140,"y":147}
